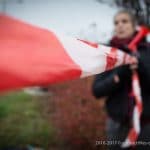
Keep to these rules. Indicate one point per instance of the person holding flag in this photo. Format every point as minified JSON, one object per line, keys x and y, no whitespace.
{"x":116,"y":86}
{"x":33,"y":56}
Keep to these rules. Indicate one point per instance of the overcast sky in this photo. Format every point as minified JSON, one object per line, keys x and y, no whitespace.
{"x":66,"y":16}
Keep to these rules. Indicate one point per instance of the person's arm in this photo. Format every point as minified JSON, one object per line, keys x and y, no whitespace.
{"x":108,"y":82}
{"x":144,"y":63}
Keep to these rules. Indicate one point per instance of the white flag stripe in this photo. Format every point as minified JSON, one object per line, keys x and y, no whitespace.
{"x":90,"y":59}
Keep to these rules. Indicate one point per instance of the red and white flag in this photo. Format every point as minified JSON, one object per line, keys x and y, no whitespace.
{"x":32,"y":56}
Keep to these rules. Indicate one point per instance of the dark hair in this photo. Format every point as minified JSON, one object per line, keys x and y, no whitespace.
{"x":130,"y":14}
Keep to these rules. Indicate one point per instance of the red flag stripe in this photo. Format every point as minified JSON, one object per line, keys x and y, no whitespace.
{"x":110,"y":61}
{"x":133,"y":135}
{"x":34,"y":59}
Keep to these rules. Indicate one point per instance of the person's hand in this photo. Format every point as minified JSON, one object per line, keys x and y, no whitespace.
{"x":133,"y":63}
{"x":116,"y":78}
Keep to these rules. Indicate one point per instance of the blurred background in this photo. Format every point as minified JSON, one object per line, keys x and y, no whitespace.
{"x":68,"y":117}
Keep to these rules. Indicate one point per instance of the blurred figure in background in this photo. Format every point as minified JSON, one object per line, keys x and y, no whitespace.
{"x":115,"y":85}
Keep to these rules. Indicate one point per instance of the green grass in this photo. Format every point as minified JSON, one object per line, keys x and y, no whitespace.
{"x":22,"y":122}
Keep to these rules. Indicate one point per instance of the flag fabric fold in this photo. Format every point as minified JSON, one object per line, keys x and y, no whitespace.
{"x":32,"y":56}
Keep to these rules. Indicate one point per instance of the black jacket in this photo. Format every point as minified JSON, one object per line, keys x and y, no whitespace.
{"x":118,"y":104}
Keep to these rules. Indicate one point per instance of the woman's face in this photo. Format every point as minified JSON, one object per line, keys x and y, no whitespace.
{"x":124,"y":27}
